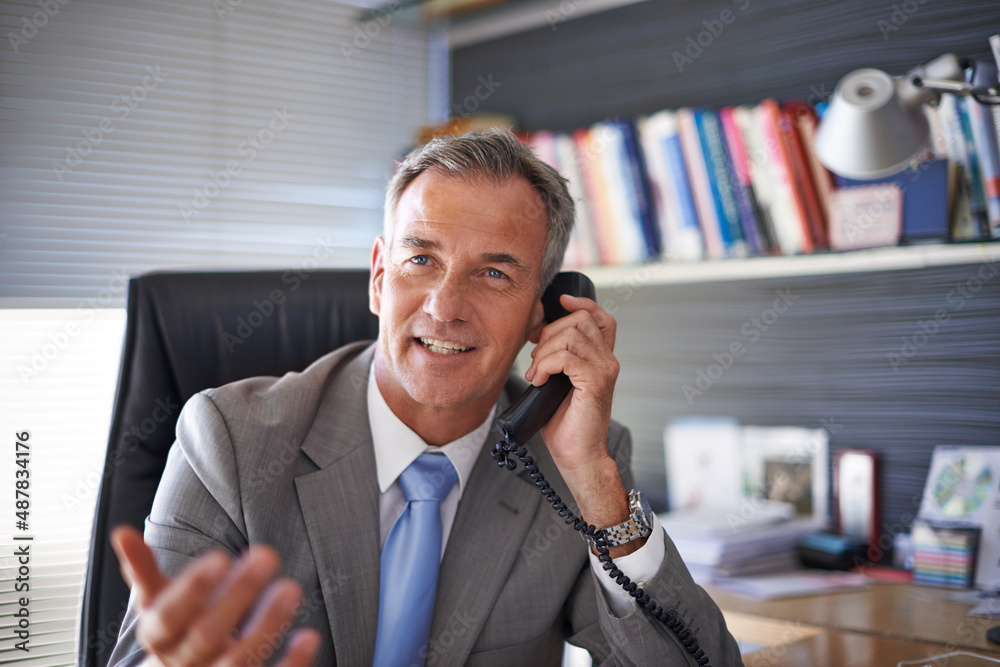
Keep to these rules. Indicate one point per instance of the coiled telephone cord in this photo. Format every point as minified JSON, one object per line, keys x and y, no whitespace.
{"x":504,"y":453}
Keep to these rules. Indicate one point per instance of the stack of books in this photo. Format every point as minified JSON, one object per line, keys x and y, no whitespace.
{"x":944,"y":556}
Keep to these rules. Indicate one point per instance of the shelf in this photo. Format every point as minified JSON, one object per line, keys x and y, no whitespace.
{"x":875,"y":259}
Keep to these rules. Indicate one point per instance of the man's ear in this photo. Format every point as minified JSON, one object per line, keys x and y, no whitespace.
{"x":377,"y":273}
{"x":536,"y":322}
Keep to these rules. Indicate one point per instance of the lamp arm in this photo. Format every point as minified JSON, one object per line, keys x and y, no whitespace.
{"x":912,"y":88}
{"x":982,"y":94}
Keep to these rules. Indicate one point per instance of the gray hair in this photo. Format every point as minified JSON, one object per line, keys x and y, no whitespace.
{"x":497,"y":156}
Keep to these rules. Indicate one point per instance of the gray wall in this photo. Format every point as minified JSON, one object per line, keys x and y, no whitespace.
{"x":827,"y":357}
{"x":620,"y":62}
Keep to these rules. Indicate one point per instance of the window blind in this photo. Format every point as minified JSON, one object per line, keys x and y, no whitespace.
{"x":195,"y":133}
{"x":165,"y":135}
{"x":65,"y":408}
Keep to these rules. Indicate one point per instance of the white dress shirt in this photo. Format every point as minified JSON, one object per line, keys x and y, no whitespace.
{"x":397,"y":446}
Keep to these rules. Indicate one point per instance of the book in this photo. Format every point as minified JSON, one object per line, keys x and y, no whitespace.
{"x":963,"y":225}
{"x":604,"y":237}
{"x":746,"y":198}
{"x":697,"y":171}
{"x":558,"y":151}
{"x":787,"y":228}
{"x":622,"y":209}
{"x":720,"y":179}
{"x":984,"y":136}
{"x":687,"y":241}
{"x":925,"y":200}
{"x":638,"y":192}
{"x":582,"y":240}
{"x":977,"y":197}
{"x":797,"y":148}
{"x":808,"y":124}
{"x":792,"y":223}
{"x":758,"y":167}
{"x":670,"y":190}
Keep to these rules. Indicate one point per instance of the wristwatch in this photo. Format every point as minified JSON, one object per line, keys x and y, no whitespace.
{"x":639,"y":524}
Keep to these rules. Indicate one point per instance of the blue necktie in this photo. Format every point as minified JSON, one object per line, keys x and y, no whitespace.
{"x":409,"y":564}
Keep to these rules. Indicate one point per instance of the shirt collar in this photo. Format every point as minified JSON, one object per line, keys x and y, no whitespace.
{"x":397,"y":446}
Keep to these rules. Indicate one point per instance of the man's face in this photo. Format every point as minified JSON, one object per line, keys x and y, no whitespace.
{"x":456,"y":291}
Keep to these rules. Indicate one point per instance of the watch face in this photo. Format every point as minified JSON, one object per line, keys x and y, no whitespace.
{"x":647,"y":511}
{"x":641,"y":509}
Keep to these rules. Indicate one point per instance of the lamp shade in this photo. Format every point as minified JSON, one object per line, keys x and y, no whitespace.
{"x":867,"y":131}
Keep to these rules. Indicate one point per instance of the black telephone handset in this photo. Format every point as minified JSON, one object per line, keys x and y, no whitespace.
{"x":536,"y":406}
{"x":526,"y":416}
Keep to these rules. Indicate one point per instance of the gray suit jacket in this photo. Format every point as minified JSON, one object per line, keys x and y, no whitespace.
{"x":289,"y":462}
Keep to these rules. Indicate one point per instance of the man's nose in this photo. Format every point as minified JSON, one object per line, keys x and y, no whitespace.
{"x":448,"y":300}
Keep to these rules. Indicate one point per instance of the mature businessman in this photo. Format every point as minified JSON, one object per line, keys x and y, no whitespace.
{"x":475,"y":227}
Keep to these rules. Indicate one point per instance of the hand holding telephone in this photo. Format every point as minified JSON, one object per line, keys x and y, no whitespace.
{"x":535,"y":408}
{"x":526,"y":416}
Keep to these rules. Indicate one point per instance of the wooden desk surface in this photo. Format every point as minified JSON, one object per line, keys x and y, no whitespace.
{"x":882,"y":625}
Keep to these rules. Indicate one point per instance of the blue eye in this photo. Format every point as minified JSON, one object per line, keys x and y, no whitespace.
{"x":420,"y":259}
{"x":496,"y":273}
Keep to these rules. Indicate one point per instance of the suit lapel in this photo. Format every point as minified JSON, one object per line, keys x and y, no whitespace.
{"x":340,"y":506}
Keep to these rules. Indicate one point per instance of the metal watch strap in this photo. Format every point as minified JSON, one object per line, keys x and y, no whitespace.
{"x":636,"y":527}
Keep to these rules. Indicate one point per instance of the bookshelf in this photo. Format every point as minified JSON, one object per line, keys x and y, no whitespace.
{"x":874,"y":259}
{"x":827,"y":357}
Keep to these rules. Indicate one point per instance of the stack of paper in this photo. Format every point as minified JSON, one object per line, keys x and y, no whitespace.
{"x":713,"y":549}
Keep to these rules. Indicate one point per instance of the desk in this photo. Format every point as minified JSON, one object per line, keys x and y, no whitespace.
{"x":882,"y":625}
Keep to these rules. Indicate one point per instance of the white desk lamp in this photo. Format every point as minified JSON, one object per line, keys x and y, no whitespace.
{"x":874,"y":125}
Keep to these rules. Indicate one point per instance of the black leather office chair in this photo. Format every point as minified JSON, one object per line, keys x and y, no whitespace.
{"x":187,"y":332}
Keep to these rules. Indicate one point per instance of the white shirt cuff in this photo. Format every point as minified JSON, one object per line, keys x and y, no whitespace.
{"x":640,"y":566}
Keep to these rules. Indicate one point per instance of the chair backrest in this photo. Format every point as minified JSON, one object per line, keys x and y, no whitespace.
{"x":187,"y":332}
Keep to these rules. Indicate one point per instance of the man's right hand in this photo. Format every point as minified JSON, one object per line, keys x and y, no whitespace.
{"x":194,"y":619}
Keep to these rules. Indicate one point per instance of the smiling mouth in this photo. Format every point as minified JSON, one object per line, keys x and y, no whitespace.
{"x":443,"y":346}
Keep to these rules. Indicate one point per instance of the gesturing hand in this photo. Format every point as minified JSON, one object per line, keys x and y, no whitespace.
{"x":193,"y":619}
